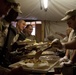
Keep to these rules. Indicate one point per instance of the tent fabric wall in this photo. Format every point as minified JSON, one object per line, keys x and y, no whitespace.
{"x":51,"y":27}
{"x":56,"y":9}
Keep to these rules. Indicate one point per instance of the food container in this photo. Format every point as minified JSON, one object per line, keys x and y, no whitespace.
{"x":38,"y":67}
{"x":50,"y":58}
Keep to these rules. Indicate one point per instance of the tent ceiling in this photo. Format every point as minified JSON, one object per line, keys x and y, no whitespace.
{"x":56,"y":9}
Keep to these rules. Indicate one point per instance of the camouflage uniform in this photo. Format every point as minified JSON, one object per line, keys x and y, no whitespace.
{"x":3,"y":32}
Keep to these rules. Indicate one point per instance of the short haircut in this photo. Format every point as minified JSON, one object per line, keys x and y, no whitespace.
{"x":27,"y":26}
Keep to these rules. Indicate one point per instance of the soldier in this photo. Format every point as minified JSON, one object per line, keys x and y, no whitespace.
{"x":70,"y":18}
{"x":5,"y":29}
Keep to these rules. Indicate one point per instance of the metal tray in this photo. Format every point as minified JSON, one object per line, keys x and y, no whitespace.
{"x":36,"y":70}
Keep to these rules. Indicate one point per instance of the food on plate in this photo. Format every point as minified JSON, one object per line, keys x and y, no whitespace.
{"x":32,"y":53}
{"x":36,"y":63}
{"x":47,"y":52}
{"x":35,"y":43}
{"x":32,"y":61}
{"x":26,"y":40}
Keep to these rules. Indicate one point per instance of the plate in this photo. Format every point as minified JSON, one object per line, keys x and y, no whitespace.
{"x":26,"y":42}
{"x":50,"y":58}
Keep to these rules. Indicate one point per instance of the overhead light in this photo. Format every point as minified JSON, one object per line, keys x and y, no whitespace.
{"x":45,"y":4}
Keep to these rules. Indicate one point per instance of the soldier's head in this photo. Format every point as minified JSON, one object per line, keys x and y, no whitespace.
{"x":20,"y":25}
{"x":28,"y":29}
{"x":5,"y":6}
{"x":70,"y":17}
{"x":13,"y":13}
